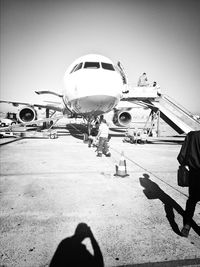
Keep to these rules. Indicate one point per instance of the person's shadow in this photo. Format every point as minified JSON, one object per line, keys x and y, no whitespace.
{"x":71,"y":251}
{"x":153,"y":191}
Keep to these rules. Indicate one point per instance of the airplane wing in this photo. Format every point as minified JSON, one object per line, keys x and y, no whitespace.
{"x":48,"y":106}
{"x":48,"y":92}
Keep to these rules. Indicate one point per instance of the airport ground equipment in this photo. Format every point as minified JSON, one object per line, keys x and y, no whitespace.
{"x":25,"y":130}
{"x":136,"y":136}
{"x":51,"y":134}
{"x":163,"y":106}
{"x":6,"y":122}
{"x":7,"y":134}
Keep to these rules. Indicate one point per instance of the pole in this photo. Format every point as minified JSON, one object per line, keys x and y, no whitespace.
{"x":158,"y":124}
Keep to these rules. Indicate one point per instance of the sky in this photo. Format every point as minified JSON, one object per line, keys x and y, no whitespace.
{"x":41,"y":38}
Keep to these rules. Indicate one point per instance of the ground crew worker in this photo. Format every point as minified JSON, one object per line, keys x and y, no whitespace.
{"x":103,"y":139}
{"x":143,"y":81}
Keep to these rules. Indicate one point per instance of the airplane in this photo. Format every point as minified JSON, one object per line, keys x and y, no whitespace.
{"x":93,"y":85}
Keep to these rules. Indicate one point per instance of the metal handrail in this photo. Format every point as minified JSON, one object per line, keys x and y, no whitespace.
{"x":179,"y":107}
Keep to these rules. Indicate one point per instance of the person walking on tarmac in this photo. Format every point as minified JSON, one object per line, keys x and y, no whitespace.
{"x":103,"y":139}
{"x":190,"y":156}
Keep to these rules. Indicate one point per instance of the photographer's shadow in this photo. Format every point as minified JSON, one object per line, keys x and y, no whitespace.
{"x":71,"y":251}
{"x":153,"y":191}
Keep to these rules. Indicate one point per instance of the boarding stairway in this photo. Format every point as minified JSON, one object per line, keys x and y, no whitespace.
{"x":178,"y":117}
{"x":175,"y":115}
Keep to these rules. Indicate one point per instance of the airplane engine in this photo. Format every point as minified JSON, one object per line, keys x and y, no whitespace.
{"x":27,"y":114}
{"x":122,"y":118}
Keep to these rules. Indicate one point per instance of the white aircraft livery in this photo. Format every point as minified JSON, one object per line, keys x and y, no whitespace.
{"x":93,"y":86}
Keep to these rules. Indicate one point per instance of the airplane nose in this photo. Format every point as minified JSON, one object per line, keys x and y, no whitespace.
{"x":99,"y":83}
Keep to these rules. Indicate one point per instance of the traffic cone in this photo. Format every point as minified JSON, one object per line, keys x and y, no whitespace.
{"x":121,"y":169}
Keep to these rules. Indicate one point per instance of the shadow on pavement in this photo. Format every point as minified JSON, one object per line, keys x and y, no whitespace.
{"x":71,"y":251}
{"x":77,"y":130}
{"x":153,"y":191}
{"x":8,"y":141}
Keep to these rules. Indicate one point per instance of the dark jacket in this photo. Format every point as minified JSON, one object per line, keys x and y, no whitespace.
{"x":190,"y":151}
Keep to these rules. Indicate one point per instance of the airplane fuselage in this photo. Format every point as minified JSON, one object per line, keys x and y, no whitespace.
{"x":92,"y":86}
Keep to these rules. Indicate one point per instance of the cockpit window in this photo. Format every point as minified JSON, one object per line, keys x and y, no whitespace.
{"x":107,"y":66}
{"x":73,"y":68}
{"x":79,"y":66}
{"x":91,"y":65}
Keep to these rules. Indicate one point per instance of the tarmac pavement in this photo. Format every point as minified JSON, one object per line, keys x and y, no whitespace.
{"x":49,"y":186}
